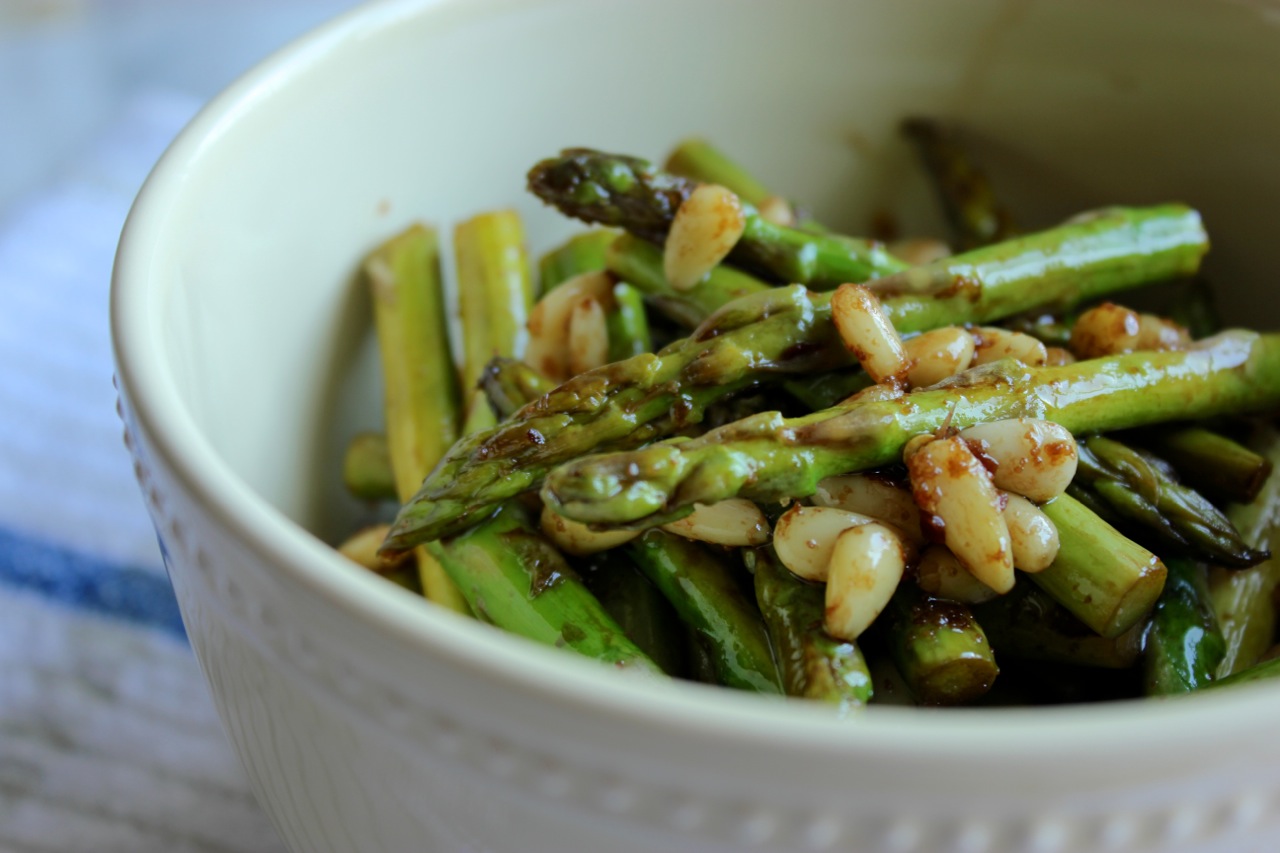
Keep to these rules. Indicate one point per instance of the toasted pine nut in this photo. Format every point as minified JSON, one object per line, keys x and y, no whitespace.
{"x":804,"y":536}
{"x":937,"y":354}
{"x":1160,"y":333}
{"x":588,"y":337}
{"x":919,"y":250}
{"x":548,"y":350}
{"x":362,"y":547}
{"x":736,"y":522}
{"x":777,"y":210}
{"x":1034,"y":538}
{"x":874,"y":497}
{"x":993,"y":344}
{"x":867,"y":333}
{"x":940,"y":574}
{"x":949,"y":482}
{"x":1033,"y":458}
{"x":1057,"y":356}
{"x":576,"y":538}
{"x":913,"y":445}
{"x":706,"y":226}
{"x":865,"y":568}
{"x":1107,"y":329}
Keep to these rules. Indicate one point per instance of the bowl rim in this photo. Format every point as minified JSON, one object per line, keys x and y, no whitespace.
{"x":300,"y":558}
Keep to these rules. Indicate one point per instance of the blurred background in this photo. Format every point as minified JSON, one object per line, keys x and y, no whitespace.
{"x":68,"y":66}
{"x":109,"y":742}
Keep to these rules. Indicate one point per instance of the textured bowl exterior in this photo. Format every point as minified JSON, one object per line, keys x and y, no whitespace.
{"x":369,"y":721}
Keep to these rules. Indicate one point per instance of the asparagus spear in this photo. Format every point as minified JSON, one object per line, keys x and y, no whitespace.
{"x":1027,"y":624}
{"x":579,"y":254}
{"x":511,"y":384}
{"x":419,"y":384}
{"x":1141,"y":488}
{"x":1184,"y":644}
{"x":628,"y":324}
{"x":515,"y":579}
{"x":1213,"y":463}
{"x":814,"y":664}
{"x":1264,"y":671}
{"x":938,"y":647}
{"x":699,"y":160}
{"x":767,"y":457}
{"x":495,"y":294}
{"x":1244,"y":601}
{"x":967,"y":199}
{"x":703,"y":591}
{"x":640,"y":263}
{"x":627,"y":192}
{"x":366,"y":468}
{"x":1108,"y":582}
{"x":639,"y":608}
{"x":789,"y":331}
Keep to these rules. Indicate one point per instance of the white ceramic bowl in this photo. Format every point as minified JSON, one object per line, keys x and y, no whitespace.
{"x":369,"y":721}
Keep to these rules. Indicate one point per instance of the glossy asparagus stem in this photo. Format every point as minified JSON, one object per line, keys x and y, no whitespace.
{"x":814,"y":664}
{"x":938,"y":647}
{"x":639,"y":608}
{"x":1107,"y":581}
{"x":580,"y":254}
{"x":510,"y":384}
{"x":495,"y":293}
{"x":1184,"y":644}
{"x":789,"y":331}
{"x":701,"y":587}
{"x":627,"y":192}
{"x":1141,"y":488}
{"x":628,"y":324}
{"x":419,"y":384}
{"x":1220,"y":467}
{"x":514,"y":579}
{"x":1265,"y":671}
{"x":1244,"y":601}
{"x":699,"y":160}
{"x":768,"y":457}
{"x":639,"y":263}
{"x":975,"y":214}
{"x":366,"y":468}
{"x":1027,"y":624}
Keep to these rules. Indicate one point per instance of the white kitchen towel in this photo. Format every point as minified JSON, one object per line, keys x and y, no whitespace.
{"x":108,"y":738}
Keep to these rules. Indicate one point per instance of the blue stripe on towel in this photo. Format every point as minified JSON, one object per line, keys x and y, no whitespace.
{"x":77,"y":580}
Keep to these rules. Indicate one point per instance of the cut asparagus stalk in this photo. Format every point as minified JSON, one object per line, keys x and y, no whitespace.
{"x":1220,"y":467}
{"x":366,"y":468}
{"x":814,"y":664}
{"x":511,"y":384}
{"x":938,"y":648}
{"x":767,"y":457}
{"x":1106,"y":581}
{"x":1027,"y":624}
{"x":976,"y":216}
{"x":628,"y":324}
{"x":630,"y":193}
{"x":1184,"y":645}
{"x":495,"y":294}
{"x":789,"y":331}
{"x":579,"y":254}
{"x":641,"y":610}
{"x":419,"y":383}
{"x":701,"y":587}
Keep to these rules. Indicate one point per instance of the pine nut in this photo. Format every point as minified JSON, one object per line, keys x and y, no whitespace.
{"x":866,"y":566}
{"x":937,"y":354}
{"x":705,"y":228}
{"x":1057,"y":356}
{"x":576,"y":538}
{"x":919,"y":250}
{"x":874,"y":497}
{"x":736,"y":522}
{"x":1033,"y":458}
{"x":950,"y":483}
{"x":867,"y":333}
{"x":940,"y":574}
{"x":548,"y":350}
{"x":804,"y":536}
{"x":777,"y":210}
{"x":994,"y":344}
{"x":1107,"y":329}
{"x":1034,"y":538}
{"x":588,"y":337}
{"x":1159,"y":333}
{"x":913,"y":445}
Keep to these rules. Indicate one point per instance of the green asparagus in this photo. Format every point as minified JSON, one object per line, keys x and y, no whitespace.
{"x":938,"y":647}
{"x":1220,"y":467}
{"x":1184,"y":644}
{"x":789,"y":331}
{"x":366,"y":468}
{"x":1027,"y":624}
{"x":581,"y":253}
{"x":495,"y":293}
